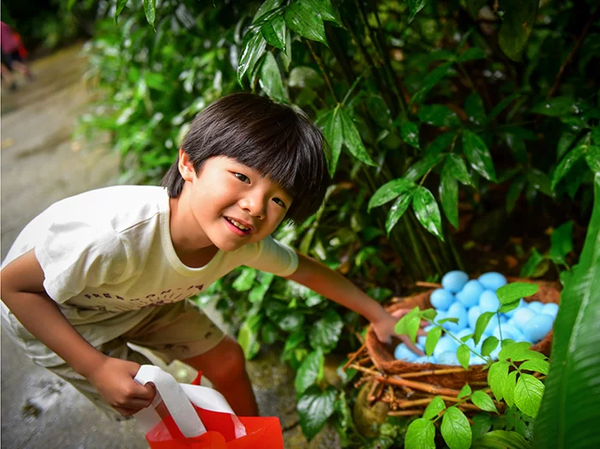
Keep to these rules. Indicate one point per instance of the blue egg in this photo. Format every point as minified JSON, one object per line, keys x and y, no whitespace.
{"x":492,"y":280}
{"x":488,"y":301}
{"x":445,"y":343}
{"x":440,"y":315}
{"x":448,"y":358}
{"x":428,"y":328}
{"x":522,"y":316}
{"x":513,"y":311}
{"x":503,"y":319}
{"x":476,"y":360}
{"x":403,"y":353}
{"x":470,"y":293}
{"x":456,"y":310}
{"x":536,"y":306}
{"x":550,"y":309}
{"x":424,"y":359}
{"x":463,"y":333}
{"x":472,"y":316}
{"x":508,"y":332}
{"x":421,"y":339}
{"x":441,"y":299}
{"x":538,"y":327}
{"x":454,"y":280}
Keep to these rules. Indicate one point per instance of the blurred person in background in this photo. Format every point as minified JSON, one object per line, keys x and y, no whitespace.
{"x":13,"y":56}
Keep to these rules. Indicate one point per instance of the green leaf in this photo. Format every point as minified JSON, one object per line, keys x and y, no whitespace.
{"x":534,"y":260}
{"x":478,"y":155}
{"x":269,"y":333}
{"x":515,"y":291}
{"x":433,"y":336}
{"x":410,"y":134}
{"x":504,"y":308}
{"x":245,"y":280}
{"x":509,"y":388}
{"x":474,"y":105}
{"x":258,"y":292}
{"x":482,"y":423}
{"x":150,"y":11}
{"x":334,"y":134}
{"x":270,"y":79}
{"x":310,"y":371}
{"x":502,"y":105}
{"x":389,"y":191}
{"x":432,"y":78}
{"x":528,"y":394}
{"x":420,"y":435}
{"x":314,"y":409}
{"x":273,"y":30}
{"x":517,"y":23}
{"x":402,"y":326}
{"x":464,"y":391}
{"x":592,"y":157}
{"x":253,"y":47}
{"x":326,"y":332}
{"x":248,"y":336}
{"x":463,"y":354}
{"x":569,"y":413}
{"x":567,"y":163}
{"x":427,"y":211}
{"x":471,"y":53}
{"x":326,"y":11}
{"x":458,"y":168}
{"x":300,"y":17}
{"x":501,"y":439}
{"x":561,"y":242}
{"x":556,"y":107}
{"x":481,"y":325}
{"x":438,"y":115}
{"x":449,"y":193}
{"x":398,"y":209}
{"x":266,"y":7}
{"x":305,"y":77}
{"x":353,"y":141}
{"x":541,"y":366}
{"x":517,"y":147}
{"x":456,"y":430}
{"x":440,"y":143}
{"x":414,"y":6}
{"x":483,"y":401}
{"x":434,"y":408}
{"x":489,"y":344}
{"x":427,"y":163}
{"x":120,"y":6}
{"x":294,"y":340}
{"x":497,"y":375}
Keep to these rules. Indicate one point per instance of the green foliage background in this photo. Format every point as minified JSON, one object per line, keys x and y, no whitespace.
{"x":431,"y":108}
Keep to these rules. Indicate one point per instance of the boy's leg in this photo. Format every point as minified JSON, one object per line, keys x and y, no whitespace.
{"x":225,"y":367}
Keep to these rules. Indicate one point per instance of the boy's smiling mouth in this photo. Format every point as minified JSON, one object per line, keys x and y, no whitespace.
{"x":241,"y":227}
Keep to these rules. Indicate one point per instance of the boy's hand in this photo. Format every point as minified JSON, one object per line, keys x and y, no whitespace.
{"x":113,"y":379}
{"x":384,"y":329}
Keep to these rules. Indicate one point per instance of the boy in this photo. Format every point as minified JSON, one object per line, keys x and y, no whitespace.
{"x":116,"y":265}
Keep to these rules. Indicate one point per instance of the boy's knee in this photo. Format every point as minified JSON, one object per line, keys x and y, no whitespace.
{"x":228,"y":363}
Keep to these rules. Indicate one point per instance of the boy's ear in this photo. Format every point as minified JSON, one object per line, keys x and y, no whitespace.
{"x":186,"y":168}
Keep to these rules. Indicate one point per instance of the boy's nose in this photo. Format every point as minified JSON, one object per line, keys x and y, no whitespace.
{"x":254,"y":205}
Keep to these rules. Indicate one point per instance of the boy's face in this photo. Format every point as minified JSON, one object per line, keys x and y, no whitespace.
{"x":232,"y":204}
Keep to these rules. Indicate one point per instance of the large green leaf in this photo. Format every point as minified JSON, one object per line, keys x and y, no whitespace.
{"x":270,"y":79}
{"x":501,"y":439}
{"x":301,"y":17}
{"x":569,"y":413}
{"x":449,"y":193}
{"x":528,"y":394}
{"x":389,"y":191}
{"x":567,"y":163}
{"x":478,"y":155}
{"x":592,"y":157}
{"x":517,"y":23}
{"x":434,"y":408}
{"x":310,"y":371}
{"x":334,"y":134}
{"x":150,"y":11}
{"x":398,"y":209}
{"x":248,"y":336}
{"x":274,"y":31}
{"x":253,"y":47}
{"x":414,"y":6}
{"x":314,"y":408}
{"x":456,"y":429}
{"x":420,"y":435}
{"x":353,"y":141}
{"x":427,"y":211}
{"x":458,"y":169}
{"x":325,"y":333}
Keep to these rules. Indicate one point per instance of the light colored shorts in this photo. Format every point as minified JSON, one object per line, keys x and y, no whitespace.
{"x":179,"y":331}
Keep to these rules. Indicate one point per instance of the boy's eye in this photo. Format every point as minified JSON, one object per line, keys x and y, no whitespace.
{"x":280,"y":202}
{"x":241,"y":177}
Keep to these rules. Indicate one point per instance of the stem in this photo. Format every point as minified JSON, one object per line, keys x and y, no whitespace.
{"x":353,"y":87}
{"x":322,"y":68}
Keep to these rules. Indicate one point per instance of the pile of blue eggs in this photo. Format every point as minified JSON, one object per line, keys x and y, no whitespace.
{"x":466,"y":299}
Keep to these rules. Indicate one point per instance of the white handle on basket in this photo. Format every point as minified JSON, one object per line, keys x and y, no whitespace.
{"x":175,"y":400}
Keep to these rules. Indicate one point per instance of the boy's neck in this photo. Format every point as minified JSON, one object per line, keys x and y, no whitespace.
{"x":188,"y":245}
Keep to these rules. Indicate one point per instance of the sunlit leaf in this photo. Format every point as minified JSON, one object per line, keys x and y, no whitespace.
{"x":427,"y":211}
{"x":270,"y":79}
{"x":389,"y":191}
{"x":150,"y":11}
{"x":478,"y":155}
{"x":310,"y":371}
{"x":433,"y":336}
{"x":335,"y":137}
{"x":456,"y":429}
{"x":274,"y":32}
{"x":300,"y":17}
{"x":483,"y":401}
{"x":449,"y":194}
{"x":253,"y":47}
{"x":434,"y":408}
{"x":567,"y":163}
{"x":501,"y":439}
{"x":314,"y":409}
{"x":515,"y":291}
{"x":481,"y":325}
{"x":528,"y":394}
{"x":592,"y":157}
{"x":464,"y":391}
{"x":463,"y":354}
{"x":398,"y":209}
{"x":353,"y":140}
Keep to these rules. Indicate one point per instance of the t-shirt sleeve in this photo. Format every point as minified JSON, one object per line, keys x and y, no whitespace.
{"x":275,"y":257}
{"x":78,"y":255}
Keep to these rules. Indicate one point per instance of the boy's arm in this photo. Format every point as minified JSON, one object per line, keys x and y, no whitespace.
{"x":336,"y":287}
{"x":23,"y":293}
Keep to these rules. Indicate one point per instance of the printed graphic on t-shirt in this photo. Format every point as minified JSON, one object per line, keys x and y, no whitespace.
{"x":151,"y":300}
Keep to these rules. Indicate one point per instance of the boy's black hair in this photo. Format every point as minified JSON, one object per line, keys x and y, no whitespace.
{"x":276,"y":140}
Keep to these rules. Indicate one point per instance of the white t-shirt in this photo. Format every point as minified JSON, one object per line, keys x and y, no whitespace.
{"x":108,"y":258}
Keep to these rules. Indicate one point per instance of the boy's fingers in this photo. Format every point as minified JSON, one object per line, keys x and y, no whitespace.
{"x":421,"y":332}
